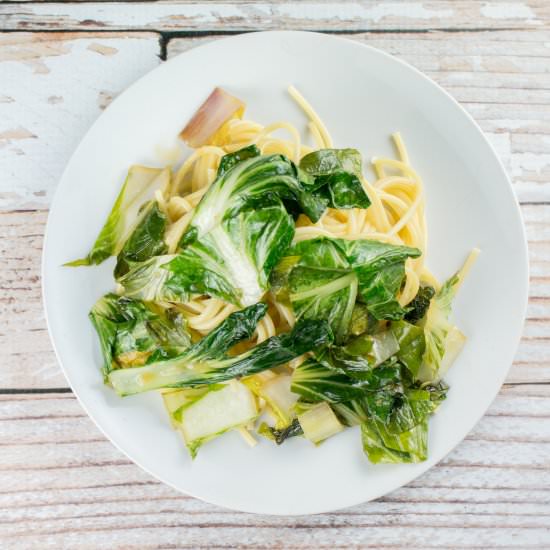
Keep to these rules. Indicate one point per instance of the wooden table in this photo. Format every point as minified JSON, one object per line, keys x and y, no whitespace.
{"x":62,"y":484}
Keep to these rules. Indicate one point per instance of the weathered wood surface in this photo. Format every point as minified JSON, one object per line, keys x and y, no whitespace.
{"x":53,"y":86}
{"x":62,"y":483}
{"x":304,"y":15}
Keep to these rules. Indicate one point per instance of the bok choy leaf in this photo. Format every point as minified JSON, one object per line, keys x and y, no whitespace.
{"x":314,"y":382}
{"x":327,"y":276}
{"x":380,"y":268}
{"x":404,"y":436}
{"x":412,"y":345}
{"x":241,"y":228}
{"x":249,"y":180}
{"x":444,"y":341}
{"x":205,"y":363}
{"x":281,"y":435}
{"x":334,"y":176}
{"x":150,"y":281}
{"x":420,"y":304}
{"x":130,"y":331}
{"x":233,"y":260}
{"x":139,"y":186}
{"x":146,"y":240}
{"x":382,"y":446}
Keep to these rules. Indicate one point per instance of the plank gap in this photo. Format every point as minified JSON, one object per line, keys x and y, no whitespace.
{"x":16,"y":391}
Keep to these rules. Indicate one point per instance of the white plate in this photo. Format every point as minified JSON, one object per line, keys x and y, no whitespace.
{"x":363,"y":95}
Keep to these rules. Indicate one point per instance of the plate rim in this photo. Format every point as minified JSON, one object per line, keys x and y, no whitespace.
{"x":244,"y":36}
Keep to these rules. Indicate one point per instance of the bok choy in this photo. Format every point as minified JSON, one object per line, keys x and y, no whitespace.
{"x":130,"y":331}
{"x":242,"y":227}
{"x":139,"y":187}
{"x":334,"y":176}
{"x":214,"y":412}
{"x":146,"y":240}
{"x":329,"y":276}
{"x":207,"y":362}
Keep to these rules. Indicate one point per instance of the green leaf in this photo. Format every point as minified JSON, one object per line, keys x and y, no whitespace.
{"x":150,"y":281}
{"x":412,"y":345}
{"x":278,"y":279}
{"x":369,"y":349}
{"x":315,"y":382}
{"x":334,"y":175}
{"x":325,"y":380}
{"x":241,"y":228}
{"x":402,"y":436}
{"x":146,"y":240}
{"x":362,"y":321}
{"x":140,"y":184}
{"x":238,"y":326}
{"x":437,"y":329}
{"x":380,"y":446}
{"x":321,"y":285}
{"x":380,"y":268}
{"x":324,"y":294}
{"x":200,"y":365}
{"x":131,"y":331}
{"x":420,"y":304}
{"x":330,"y":275}
{"x":254,"y":182}
{"x":233,"y":261}
{"x":280,"y":436}
{"x":229,"y":161}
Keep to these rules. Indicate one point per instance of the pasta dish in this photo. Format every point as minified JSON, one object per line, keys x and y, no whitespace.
{"x":266,"y":286}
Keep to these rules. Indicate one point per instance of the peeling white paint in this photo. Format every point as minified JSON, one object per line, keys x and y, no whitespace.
{"x":530,"y":162}
{"x":353,"y":10}
{"x":58,"y":106}
{"x":498,"y":10}
{"x":126,"y":16}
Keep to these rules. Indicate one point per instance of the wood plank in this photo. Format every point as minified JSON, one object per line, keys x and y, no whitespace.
{"x":29,"y":362}
{"x":501,"y":78}
{"x":262,"y":15}
{"x":63,"y":484}
{"x":53,"y":87}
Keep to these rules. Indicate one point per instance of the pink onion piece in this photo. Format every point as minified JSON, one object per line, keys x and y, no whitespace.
{"x":218,"y":108}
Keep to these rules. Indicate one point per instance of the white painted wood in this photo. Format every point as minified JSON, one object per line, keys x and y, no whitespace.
{"x":63,"y":484}
{"x":53,"y":86}
{"x":250,"y":15}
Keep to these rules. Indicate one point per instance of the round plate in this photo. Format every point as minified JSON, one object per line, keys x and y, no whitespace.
{"x":363,"y":95}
